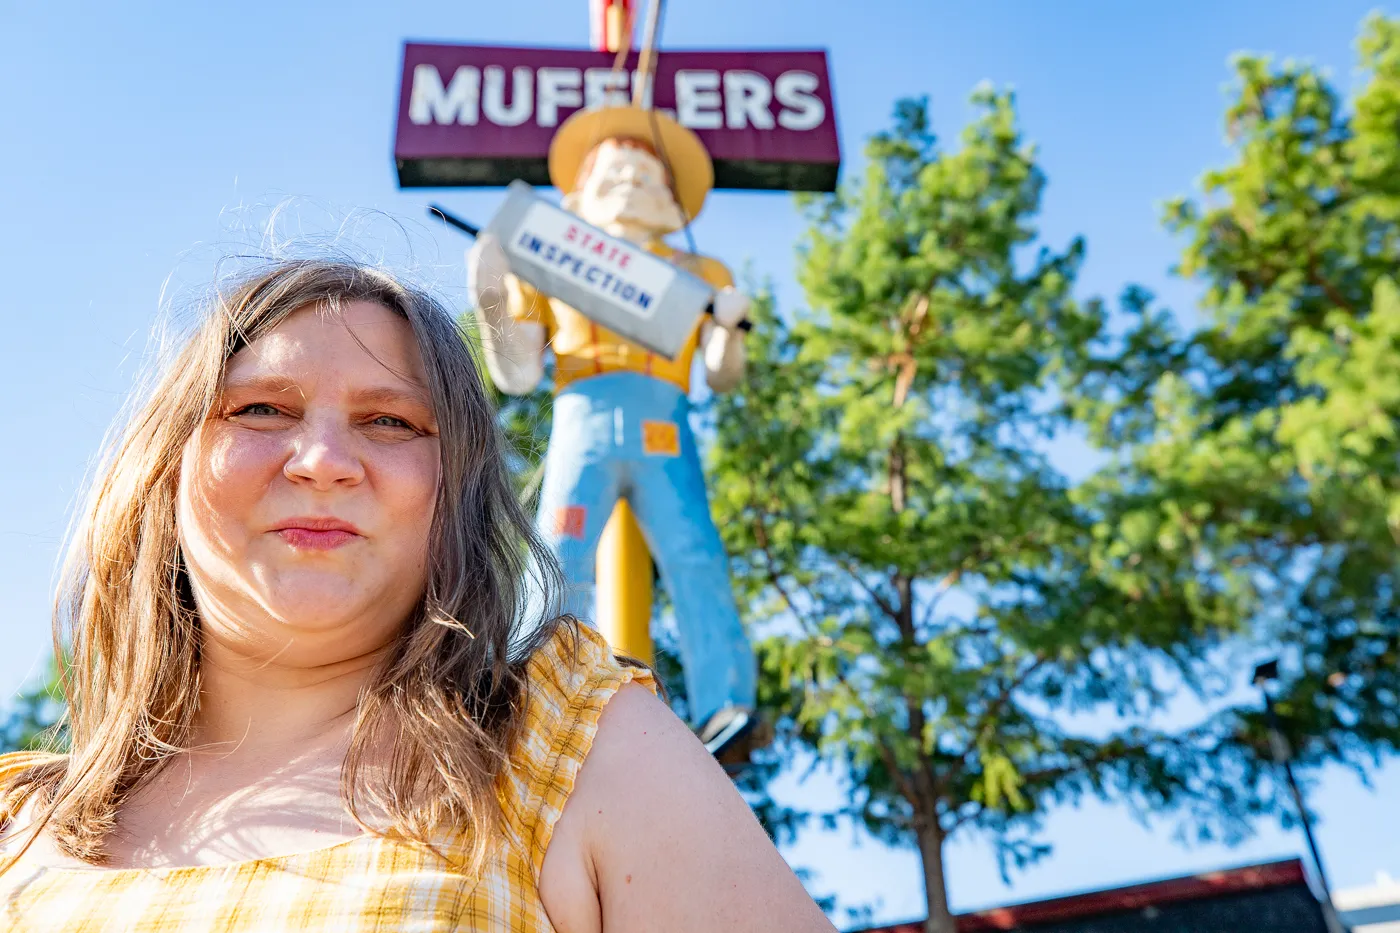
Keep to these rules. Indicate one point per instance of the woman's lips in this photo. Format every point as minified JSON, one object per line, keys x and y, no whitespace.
{"x":317,"y":532}
{"x":313,"y":540}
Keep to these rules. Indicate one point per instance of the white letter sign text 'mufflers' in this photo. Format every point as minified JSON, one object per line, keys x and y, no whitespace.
{"x":484,"y":115}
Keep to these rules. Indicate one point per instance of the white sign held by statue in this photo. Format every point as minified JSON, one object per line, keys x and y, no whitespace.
{"x":622,"y":286}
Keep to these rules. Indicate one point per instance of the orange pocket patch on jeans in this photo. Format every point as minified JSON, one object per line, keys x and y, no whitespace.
{"x":568,"y":521}
{"x":661,"y":438}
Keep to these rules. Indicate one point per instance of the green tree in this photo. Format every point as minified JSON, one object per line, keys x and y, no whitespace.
{"x":33,"y":715}
{"x":1265,"y":442}
{"x":937,"y":602}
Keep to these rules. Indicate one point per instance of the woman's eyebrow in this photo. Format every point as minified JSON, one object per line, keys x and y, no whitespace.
{"x":269,"y":382}
{"x":388,"y":394}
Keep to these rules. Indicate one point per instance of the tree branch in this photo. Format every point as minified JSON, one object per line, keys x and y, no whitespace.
{"x":1328,"y":289}
{"x":941,"y":588}
{"x":974,"y":809}
{"x":968,"y":563}
{"x":993,"y":710}
{"x":901,"y":780}
{"x":984,"y":723}
{"x":885,"y":606}
{"x":775,"y":579}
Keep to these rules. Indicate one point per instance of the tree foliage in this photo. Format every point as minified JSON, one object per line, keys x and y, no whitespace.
{"x":33,"y":719}
{"x":1265,"y":442}
{"x":941,"y":608}
{"x":941,"y":602}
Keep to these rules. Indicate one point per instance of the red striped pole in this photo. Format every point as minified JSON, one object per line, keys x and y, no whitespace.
{"x":610,"y":24}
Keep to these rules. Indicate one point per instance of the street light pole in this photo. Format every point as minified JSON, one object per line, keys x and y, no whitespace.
{"x":1283,"y":755}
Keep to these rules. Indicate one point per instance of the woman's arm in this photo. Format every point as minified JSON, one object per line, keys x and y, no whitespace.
{"x":655,"y":837}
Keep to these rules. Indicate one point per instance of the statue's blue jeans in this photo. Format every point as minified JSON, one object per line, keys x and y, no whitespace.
{"x":628,"y":435}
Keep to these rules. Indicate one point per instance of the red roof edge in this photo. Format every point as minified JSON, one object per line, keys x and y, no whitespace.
{"x":1262,"y":877}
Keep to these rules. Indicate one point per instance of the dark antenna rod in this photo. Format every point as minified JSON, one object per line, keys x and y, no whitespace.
{"x":453,"y":220}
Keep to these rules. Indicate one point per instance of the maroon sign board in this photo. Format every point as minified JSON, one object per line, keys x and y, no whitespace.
{"x":483,"y":116}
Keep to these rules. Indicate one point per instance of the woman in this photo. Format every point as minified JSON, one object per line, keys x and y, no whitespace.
{"x":300,"y":694}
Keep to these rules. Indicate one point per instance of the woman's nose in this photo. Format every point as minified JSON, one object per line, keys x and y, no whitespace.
{"x":325,"y":455}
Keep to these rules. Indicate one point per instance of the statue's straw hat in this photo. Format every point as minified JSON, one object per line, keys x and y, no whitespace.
{"x":679,"y":148}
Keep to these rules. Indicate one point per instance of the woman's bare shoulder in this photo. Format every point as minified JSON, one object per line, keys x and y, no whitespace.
{"x":665,"y":839}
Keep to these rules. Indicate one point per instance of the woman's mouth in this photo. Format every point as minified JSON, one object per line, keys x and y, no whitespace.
{"x":312,"y":540}
{"x":317,"y":533}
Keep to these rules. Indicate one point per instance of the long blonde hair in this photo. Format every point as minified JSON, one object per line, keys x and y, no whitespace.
{"x":450,"y":697}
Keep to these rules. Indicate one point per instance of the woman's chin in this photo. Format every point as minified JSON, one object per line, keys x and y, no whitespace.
{"x":315,"y":617}
{"x":317,"y":607}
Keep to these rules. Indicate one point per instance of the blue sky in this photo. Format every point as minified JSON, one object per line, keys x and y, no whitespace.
{"x":141,"y":141}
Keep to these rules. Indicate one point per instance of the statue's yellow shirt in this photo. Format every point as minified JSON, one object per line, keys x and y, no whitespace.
{"x":583,"y":348}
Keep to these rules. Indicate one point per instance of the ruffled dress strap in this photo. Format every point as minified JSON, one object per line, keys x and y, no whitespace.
{"x":571,"y":679}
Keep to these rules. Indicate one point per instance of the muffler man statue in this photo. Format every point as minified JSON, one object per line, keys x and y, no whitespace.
{"x":620,"y":425}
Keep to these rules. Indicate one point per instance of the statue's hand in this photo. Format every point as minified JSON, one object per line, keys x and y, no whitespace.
{"x":731,"y":307}
{"x":487,"y":268}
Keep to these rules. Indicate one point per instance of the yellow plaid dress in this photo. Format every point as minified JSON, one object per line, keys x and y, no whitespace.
{"x":366,"y":883}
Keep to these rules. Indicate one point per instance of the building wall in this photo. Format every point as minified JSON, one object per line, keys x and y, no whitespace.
{"x":1371,"y":909}
{"x":1272,"y":897}
{"x":1281,"y":910}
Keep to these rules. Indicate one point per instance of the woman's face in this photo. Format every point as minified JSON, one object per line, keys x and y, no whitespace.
{"x":305,"y":500}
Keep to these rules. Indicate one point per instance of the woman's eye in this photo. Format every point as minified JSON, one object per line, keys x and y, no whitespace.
{"x":257,"y":408}
{"x":389,"y":421}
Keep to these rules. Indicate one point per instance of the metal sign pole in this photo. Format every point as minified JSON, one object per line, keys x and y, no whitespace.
{"x":1283,"y":756}
{"x":623,"y":570}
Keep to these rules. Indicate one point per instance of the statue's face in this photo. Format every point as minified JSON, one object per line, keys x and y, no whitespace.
{"x":626,"y":185}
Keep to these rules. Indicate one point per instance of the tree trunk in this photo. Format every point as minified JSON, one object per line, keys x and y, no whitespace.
{"x":930,"y":833}
{"x":940,"y":919}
